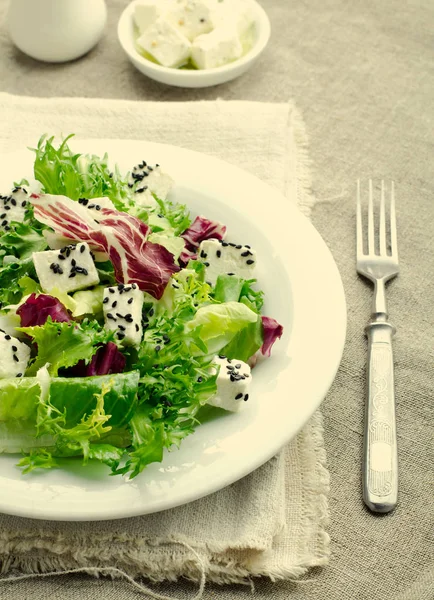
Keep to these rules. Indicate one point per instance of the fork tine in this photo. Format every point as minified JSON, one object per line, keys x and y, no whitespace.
{"x":371,"y":241}
{"x":383,"y":250}
{"x":393,"y":240}
{"x":359,"y":232}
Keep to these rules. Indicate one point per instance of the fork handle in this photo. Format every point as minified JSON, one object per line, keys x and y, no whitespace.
{"x":380,"y":469}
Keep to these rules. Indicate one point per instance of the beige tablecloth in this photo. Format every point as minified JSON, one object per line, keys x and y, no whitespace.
{"x":362,"y":74}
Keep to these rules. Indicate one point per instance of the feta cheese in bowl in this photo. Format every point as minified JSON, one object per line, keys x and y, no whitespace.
{"x":193,"y":43}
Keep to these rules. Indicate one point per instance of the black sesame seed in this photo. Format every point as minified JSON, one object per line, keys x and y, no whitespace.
{"x":160,"y":216}
{"x":111,"y":290}
{"x":238,"y":396}
{"x":246,"y":397}
{"x":115,"y":303}
{"x":19,"y":375}
{"x":61,"y":257}
{"x":82,"y":249}
{"x":7,"y":228}
{"x":119,"y":315}
{"x":225,"y":244}
{"x":23,"y":203}
{"x":134,"y":286}
{"x":59,"y":270}
{"x":250,"y":261}
{"x":2,"y":216}
{"x":4,"y":223}
{"x":84,"y":271}
{"x":14,"y":348}
{"x":72,"y":274}
{"x":137,"y":327}
{"x":73,"y":262}
{"x":130,"y":185}
{"x":120,"y":335}
{"x":7,"y":208}
{"x":203,"y":254}
{"x":238,"y":246}
{"x":105,"y":300}
{"x":110,"y":316}
{"x":247,"y":246}
{"x":206,"y":264}
{"x":246,"y":253}
{"x":13,"y":202}
{"x":130,"y":300}
{"x":151,"y":312}
{"x":230,"y":273}
{"x":16,"y":359}
{"x":238,"y":366}
{"x":7,"y":337}
{"x":218,"y":253}
{"x":232,"y":378}
{"x":199,"y":379}
{"x":222,"y":356}
{"x":140,"y":190}
{"x":157,"y":348}
{"x":122,"y":327}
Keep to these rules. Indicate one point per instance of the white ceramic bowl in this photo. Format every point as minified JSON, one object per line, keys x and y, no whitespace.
{"x":193,"y":78}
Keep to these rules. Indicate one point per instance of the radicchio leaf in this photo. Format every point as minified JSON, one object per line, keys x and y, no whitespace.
{"x":36,"y":310}
{"x":201,"y":229}
{"x":119,"y":235}
{"x":272,"y":331}
{"x":107,"y":360}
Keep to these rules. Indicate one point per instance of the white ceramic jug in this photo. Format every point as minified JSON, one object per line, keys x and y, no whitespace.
{"x":56,"y":30}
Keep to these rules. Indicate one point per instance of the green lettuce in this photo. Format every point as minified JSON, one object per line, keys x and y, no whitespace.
{"x":22,"y":240}
{"x":11,"y":291}
{"x":64,"y":344}
{"x":218,"y":324}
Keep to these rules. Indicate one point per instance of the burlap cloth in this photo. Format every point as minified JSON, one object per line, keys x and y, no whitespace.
{"x":362,"y":74}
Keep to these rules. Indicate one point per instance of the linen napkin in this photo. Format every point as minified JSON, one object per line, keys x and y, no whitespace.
{"x":272,"y":522}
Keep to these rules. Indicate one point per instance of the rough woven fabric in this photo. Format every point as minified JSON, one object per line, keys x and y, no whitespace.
{"x":277,"y":529}
{"x":362,"y":75}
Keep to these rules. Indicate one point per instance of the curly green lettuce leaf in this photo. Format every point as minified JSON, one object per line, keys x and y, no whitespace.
{"x":11,"y":291}
{"x":22,"y":240}
{"x":88,"y":302}
{"x":64,"y":344}
{"x":60,"y":171}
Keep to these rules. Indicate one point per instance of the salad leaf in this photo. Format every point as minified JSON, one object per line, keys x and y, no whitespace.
{"x":272,"y":332}
{"x":22,"y":240}
{"x":254,"y":299}
{"x":174,"y":245}
{"x":228,"y":288}
{"x":218,"y":324}
{"x":36,"y":310}
{"x":64,"y":344}
{"x":201,"y":229}
{"x":88,"y":302}
{"x":10,"y":275}
{"x":246,"y":342}
{"x":177,"y":215}
{"x":107,"y":359}
{"x":60,"y":171}
{"x":119,"y":235}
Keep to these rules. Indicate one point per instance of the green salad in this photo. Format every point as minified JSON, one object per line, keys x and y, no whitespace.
{"x":121,"y":314}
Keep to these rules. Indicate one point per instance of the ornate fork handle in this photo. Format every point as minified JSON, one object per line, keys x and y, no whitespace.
{"x":380,"y":467}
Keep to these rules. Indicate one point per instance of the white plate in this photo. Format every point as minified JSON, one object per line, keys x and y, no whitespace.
{"x":303,"y":292}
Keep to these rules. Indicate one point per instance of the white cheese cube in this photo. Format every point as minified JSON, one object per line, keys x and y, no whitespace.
{"x":145,"y":198}
{"x":165,"y":43}
{"x":12,"y":208}
{"x":191,"y":17}
{"x":15,"y":356}
{"x":122,"y":306}
{"x":233,"y":382}
{"x":220,"y":257}
{"x":147,"y":12}
{"x":150,"y":178}
{"x":238,"y":13}
{"x":69,"y":269}
{"x":217,"y":48}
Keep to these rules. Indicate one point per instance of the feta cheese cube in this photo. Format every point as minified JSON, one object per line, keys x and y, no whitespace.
{"x":12,"y":208}
{"x":221,"y":257}
{"x":122,"y":306}
{"x":191,"y":17}
{"x":147,"y":12}
{"x":15,"y":356}
{"x":238,"y":13}
{"x":69,"y":269}
{"x":233,"y":382}
{"x":165,"y":43}
{"x":150,"y":178}
{"x":217,"y":48}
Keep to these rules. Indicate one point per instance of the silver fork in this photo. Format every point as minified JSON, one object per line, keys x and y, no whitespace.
{"x":380,"y":456}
